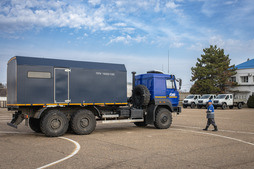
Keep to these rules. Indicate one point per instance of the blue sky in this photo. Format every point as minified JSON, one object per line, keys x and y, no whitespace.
{"x":139,"y":34}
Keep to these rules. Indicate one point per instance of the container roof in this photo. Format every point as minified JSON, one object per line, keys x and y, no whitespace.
{"x":246,"y":65}
{"x":32,"y":61}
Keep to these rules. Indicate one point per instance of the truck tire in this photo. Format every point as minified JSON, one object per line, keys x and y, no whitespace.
{"x":140,"y":96}
{"x":239,"y":105}
{"x":224,"y":106}
{"x":163,"y":118}
{"x":35,"y":124}
{"x":83,"y":122}
{"x":193,"y":105}
{"x":54,"y":123}
{"x":140,"y":124}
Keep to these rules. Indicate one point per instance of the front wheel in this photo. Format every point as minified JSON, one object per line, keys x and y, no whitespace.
{"x":193,"y":105}
{"x":224,"y":106}
{"x":83,"y":122}
{"x":163,"y":119}
{"x":54,"y":123}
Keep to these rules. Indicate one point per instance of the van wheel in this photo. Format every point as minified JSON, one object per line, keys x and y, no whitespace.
{"x":163,"y":119}
{"x":35,"y":124}
{"x":54,"y":123}
{"x":193,"y":105}
{"x":83,"y":122}
{"x":140,"y":96}
{"x":224,"y":106}
{"x":239,"y":105}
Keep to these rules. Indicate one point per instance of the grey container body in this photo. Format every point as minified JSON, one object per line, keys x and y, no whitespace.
{"x":43,"y":81}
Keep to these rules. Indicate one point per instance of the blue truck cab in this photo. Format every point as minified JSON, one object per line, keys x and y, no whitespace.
{"x":156,"y":91}
{"x":161,"y":86}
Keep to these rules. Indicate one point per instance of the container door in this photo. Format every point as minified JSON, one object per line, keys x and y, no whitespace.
{"x":61,"y":85}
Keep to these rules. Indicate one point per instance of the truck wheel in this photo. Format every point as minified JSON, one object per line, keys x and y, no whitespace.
{"x":224,"y":106}
{"x":215,"y":107}
{"x":184,"y":106}
{"x":163,"y":119}
{"x":193,"y":105}
{"x":35,"y":124}
{"x":140,"y":96}
{"x":140,"y":124}
{"x":231,"y":107}
{"x":54,"y":123}
{"x":239,"y":105}
{"x":199,"y":107}
{"x":83,"y":122}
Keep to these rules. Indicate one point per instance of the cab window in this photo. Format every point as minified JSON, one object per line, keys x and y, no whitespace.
{"x":170,"y":84}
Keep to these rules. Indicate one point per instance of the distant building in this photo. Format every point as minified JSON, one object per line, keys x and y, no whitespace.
{"x":245,"y":80}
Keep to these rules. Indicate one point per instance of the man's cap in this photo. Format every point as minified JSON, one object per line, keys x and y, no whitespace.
{"x":210,"y":101}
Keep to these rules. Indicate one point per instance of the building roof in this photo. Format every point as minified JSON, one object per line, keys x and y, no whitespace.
{"x":246,"y":65}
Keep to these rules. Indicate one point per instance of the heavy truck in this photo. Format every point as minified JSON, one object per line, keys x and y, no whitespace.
{"x":54,"y":95}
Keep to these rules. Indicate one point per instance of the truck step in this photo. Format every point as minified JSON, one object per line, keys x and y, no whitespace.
{"x":110,"y":116}
{"x":122,"y":121}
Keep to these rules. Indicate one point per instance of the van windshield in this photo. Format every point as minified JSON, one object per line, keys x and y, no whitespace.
{"x":190,"y":97}
{"x":221,"y":96}
{"x":205,"y":97}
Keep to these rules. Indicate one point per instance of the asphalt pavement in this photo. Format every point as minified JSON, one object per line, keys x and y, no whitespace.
{"x":183,"y":145}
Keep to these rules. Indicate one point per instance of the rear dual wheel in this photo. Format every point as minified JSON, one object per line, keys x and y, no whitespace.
{"x":35,"y":124}
{"x":54,"y":123}
{"x":83,"y":122}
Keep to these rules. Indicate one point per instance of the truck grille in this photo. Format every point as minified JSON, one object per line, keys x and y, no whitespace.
{"x":216,"y":101}
{"x":200,"y":101}
{"x":185,"y":101}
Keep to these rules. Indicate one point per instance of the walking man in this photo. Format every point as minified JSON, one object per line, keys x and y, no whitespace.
{"x":210,"y":116}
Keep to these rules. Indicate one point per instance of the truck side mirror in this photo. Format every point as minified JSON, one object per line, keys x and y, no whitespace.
{"x":180,"y":84}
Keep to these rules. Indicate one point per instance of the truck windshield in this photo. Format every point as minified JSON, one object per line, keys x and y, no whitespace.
{"x":221,"y":96}
{"x":205,"y":97}
{"x":190,"y":97}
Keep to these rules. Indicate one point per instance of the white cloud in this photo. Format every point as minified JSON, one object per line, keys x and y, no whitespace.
{"x":171,"y":5}
{"x":127,"y":39}
{"x":94,"y":2}
{"x":176,"y":45}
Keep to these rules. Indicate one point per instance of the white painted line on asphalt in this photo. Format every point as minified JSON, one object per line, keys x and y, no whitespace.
{"x":216,"y":135}
{"x":230,"y":131}
{"x":76,"y":150}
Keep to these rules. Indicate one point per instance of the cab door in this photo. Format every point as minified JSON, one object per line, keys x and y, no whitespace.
{"x":172,"y":93}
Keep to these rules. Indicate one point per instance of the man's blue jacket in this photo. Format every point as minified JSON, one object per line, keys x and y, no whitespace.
{"x":210,"y":112}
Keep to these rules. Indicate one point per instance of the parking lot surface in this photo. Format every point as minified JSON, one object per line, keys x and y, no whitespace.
{"x":183,"y":145}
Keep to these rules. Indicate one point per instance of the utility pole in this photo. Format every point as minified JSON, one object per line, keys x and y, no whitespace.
{"x":168,"y":61}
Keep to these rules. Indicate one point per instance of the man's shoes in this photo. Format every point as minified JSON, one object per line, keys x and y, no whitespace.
{"x":215,"y":128}
{"x":205,"y":129}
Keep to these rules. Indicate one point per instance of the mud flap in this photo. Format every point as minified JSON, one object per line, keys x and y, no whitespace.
{"x":17,"y":118}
